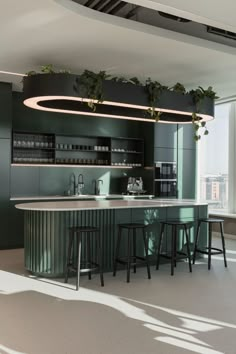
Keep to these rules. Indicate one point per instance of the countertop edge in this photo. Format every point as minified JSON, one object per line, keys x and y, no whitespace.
{"x":105,"y":204}
{"x":83,"y":197}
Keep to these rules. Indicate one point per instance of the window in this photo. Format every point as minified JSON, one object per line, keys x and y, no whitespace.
{"x":213,"y":159}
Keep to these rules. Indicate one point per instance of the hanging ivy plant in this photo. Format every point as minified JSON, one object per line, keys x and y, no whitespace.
{"x":48,"y":69}
{"x":154,"y":89}
{"x":132,"y":80}
{"x":197,"y":124}
{"x":198,"y":96}
{"x":178,"y":87}
{"x":92,"y":86}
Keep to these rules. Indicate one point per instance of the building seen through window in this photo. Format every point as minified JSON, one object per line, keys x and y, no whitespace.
{"x":213,"y":160}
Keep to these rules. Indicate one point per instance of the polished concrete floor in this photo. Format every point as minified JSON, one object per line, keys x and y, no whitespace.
{"x":186,"y":313}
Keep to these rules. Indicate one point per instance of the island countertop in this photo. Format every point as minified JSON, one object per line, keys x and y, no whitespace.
{"x":107,"y":204}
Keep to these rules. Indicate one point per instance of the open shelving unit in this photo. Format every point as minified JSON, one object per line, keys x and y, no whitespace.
{"x":37,"y":149}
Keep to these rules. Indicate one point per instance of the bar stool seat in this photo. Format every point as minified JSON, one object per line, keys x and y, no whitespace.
{"x":209,"y":250}
{"x":88,"y":265}
{"x":175,"y":225}
{"x":131,"y":259}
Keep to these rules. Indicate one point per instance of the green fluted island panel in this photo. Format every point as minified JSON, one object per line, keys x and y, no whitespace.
{"x":46,"y":233}
{"x":46,"y":237}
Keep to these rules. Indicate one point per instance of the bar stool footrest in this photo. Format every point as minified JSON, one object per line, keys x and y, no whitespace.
{"x":184,"y":255}
{"x":217,"y":251}
{"x":86,"y":267}
{"x":124,"y":260}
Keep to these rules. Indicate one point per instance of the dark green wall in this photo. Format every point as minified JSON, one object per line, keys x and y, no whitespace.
{"x":9,"y":216}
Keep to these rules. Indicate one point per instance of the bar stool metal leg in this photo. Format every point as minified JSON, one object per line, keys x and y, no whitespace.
{"x":68,"y":262}
{"x":209,"y":246}
{"x":78,"y":260}
{"x":134,"y":249}
{"x":159,"y":245}
{"x":188,"y":248}
{"x":223,"y":242}
{"x":173,"y":249}
{"x":89,"y":258}
{"x":196,"y":241}
{"x":146,"y":253}
{"x":175,"y":246}
{"x":117,"y":251}
{"x":100,"y":258}
{"x":129,"y":256}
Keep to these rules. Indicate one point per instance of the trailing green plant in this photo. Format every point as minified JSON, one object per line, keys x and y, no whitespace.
{"x":200,"y":93}
{"x":178,"y":87}
{"x":154,"y":89}
{"x":92,"y":86}
{"x":198,"y":96}
{"x":132,"y":80}
{"x":48,"y":69}
{"x":197,"y":125}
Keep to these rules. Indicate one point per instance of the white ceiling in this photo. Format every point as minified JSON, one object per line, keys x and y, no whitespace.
{"x":69,"y":36}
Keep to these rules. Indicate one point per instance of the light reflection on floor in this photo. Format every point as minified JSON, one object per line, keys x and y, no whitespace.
{"x":187,"y":335}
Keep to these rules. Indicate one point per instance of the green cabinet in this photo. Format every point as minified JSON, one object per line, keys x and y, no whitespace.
{"x":5,"y":110}
{"x":187,"y":173}
{"x":175,"y":143}
{"x":165,"y":135}
{"x":186,"y":137}
{"x":5,"y":219}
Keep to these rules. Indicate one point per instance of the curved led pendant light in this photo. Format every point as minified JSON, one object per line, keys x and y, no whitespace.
{"x":63,"y":93}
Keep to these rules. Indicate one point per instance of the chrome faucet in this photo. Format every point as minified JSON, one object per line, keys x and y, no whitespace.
{"x":80,"y":184}
{"x":97,"y":186}
{"x":73,"y":183}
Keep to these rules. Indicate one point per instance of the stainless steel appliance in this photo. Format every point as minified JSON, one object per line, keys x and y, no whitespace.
{"x":135,"y":185}
{"x":165,"y":179}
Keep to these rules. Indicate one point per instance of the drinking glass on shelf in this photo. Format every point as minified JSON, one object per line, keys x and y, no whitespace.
{"x":23,"y":141}
{"x":50,"y":142}
{"x":15,"y":142}
{"x":45,"y":141}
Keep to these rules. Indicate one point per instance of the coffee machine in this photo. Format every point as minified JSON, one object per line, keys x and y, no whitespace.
{"x":135,"y":186}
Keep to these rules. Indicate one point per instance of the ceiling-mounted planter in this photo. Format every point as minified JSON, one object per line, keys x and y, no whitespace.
{"x":62,"y":92}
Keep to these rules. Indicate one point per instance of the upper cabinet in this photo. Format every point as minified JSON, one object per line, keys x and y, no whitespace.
{"x":185,"y":137}
{"x":5,"y":110}
{"x":65,"y":150}
{"x":165,"y":135}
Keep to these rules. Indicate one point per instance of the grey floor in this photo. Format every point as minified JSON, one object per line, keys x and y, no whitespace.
{"x":187,"y":313}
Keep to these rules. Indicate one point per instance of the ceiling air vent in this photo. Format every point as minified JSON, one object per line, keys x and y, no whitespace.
{"x":172,"y":17}
{"x":221,"y":32}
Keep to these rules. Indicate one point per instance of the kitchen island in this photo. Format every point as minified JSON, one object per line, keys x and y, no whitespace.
{"x":46,"y":226}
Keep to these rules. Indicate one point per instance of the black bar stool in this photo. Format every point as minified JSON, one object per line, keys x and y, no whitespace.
{"x":89,"y":264}
{"x":209,"y":250}
{"x":131,"y":260}
{"x":175,"y":225}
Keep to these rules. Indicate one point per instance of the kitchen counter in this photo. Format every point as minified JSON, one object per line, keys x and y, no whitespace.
{"x":47,"y":223}
{"x":83,"y":197}
{"x":106,"y":204}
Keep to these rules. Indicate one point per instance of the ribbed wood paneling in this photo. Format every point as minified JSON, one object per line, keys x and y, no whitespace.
{"x":46,"y":238}
{"x":46,"y":234}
